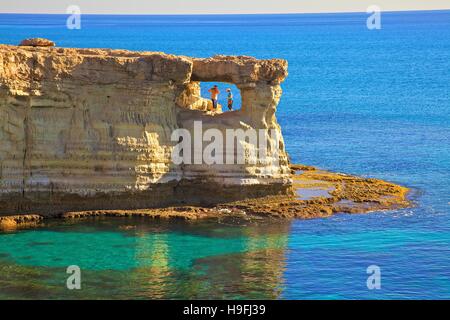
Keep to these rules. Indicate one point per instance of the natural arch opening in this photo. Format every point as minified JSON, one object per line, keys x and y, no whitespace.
{"x":197,"y":96}
{"x":223,"y":94}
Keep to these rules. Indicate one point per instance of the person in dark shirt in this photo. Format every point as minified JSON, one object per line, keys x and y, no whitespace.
{"x":230,"y":99}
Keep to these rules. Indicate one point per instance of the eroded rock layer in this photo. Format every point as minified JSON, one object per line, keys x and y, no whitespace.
{"x":318,"y":194}
{"x":91,"y":128}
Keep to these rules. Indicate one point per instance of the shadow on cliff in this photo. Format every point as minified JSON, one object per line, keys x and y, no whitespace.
{"x":95,"y":129}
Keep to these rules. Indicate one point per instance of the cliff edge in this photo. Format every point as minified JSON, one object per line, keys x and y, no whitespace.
{"x":87,"y":129}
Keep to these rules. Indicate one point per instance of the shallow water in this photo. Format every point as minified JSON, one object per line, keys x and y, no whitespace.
{"x":133,"y":258}
{"x":373,"y":103}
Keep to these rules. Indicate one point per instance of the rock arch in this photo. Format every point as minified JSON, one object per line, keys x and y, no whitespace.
{"x":91,"y":128}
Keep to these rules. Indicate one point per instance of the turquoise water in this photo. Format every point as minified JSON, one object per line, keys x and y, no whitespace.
{"x":136,"y":259}
{"x":373,"y":103}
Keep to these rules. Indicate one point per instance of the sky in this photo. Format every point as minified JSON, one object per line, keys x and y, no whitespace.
{"x":215,"y":7}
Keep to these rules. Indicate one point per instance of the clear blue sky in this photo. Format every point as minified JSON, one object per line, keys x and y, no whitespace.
{"x":209,"y":6}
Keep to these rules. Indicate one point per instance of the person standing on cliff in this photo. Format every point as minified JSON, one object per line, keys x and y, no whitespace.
{"x":230,"y":99}
{"x":214,"y":95}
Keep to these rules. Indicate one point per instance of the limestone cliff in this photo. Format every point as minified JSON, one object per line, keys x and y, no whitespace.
{"x":91,"y":128}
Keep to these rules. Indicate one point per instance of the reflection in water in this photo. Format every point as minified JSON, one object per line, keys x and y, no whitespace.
{"x":128,"y":259}
{"x":152,"y":253}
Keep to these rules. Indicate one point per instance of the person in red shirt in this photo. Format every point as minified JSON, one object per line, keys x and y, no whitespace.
{"x":214,"y":95}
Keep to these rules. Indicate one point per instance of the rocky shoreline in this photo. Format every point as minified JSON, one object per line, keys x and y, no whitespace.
{"x":93,"y":133}
{"x":317,"y":194}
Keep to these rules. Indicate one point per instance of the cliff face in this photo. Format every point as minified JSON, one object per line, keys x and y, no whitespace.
{"x":91,"y":129}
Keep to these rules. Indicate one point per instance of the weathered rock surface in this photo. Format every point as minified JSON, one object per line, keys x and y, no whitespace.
{"x":318,"y":194}
{"x":191,"y":99}
{"x":37,"y":42}
{"x":86,"y":129}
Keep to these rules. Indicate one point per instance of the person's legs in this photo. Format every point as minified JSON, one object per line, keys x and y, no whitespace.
{"x":214,"y":103}
{"x":230,"y":104}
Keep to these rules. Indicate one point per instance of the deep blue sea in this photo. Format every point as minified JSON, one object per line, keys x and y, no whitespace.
{"x":374,"y":103}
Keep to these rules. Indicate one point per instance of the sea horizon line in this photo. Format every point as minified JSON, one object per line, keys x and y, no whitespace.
{"x":229,"y":14}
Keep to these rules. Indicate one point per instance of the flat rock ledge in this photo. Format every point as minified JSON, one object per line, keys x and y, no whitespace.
{"x":318,"y":194}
